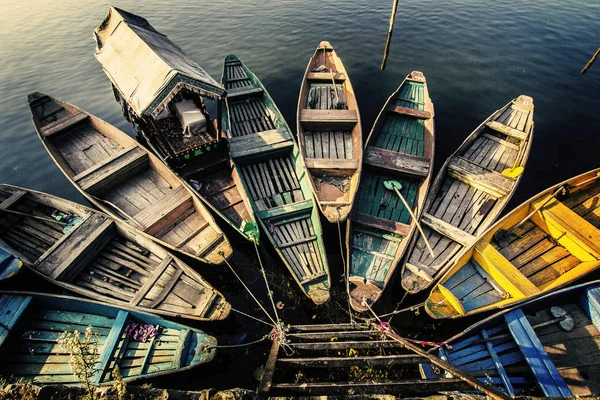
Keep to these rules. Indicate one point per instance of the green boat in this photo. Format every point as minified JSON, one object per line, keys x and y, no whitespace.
{"x":273,"y":173}
{"x":142,"y":345}
{"x":398,"y":159}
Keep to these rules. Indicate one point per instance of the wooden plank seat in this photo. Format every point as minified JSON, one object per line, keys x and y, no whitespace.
{"x":243,"y":91}
{"x":535,"y":355}
{"x":327,"y":119}
{"x":563,"y":221}
{"x":164,"y":212}
{"x":506,"y":130}
{"x":62,"y":124}
{"x":12,"y":307}
{"x":67,"y":257}
{"x":16,"y":196}
{"x":479,"y":177}
{"x":331,"y":163}
{"x":112,"y":171}
{"x":448,"y":230}
{"x":410,"y":112}
{"x":110,"y":346}
{"x":261,"y":142}
{"x":380,"y":223}
{"x":150,"y":281}
{"x":325,"y":76}
{"x":405,"y":164}
{"x":287,"y":210}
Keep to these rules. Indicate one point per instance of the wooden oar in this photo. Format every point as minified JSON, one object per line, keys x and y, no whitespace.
{"x":337,"y":98}
{"x":123,"y":213}
{"x":396,"y":186}
{"x":34,"y":216}
{"x":502,"y":236}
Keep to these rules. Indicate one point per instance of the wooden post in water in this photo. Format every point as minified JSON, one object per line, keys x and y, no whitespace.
{"x":589,"y":63}
{"x":386,"y":51}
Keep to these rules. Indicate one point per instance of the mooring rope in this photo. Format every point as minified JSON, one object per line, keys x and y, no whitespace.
{"x":411,"y":308}
{"x":248,"y":289}
{"x":387,"y":329}
{"x":225,"y":346}
{"x":269,"y":292}
{"x":250,"y":316}
{"x":346,"y":267}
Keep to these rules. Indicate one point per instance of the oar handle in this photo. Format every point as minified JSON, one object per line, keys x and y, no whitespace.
{"x":416,"y":222}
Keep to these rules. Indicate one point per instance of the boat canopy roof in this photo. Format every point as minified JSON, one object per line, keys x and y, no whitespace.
{"x":145,"y":66}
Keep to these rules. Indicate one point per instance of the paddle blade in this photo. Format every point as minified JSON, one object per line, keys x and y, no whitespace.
{"x":513,"y":172}
{"x":391,"y":185}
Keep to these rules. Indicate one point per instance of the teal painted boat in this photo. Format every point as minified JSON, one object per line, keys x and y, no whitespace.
{"x":273,"y":173}
{"x":10,"y":265}
{"x":549,"y":346}
{"x":142,"y":345}
{"x":399,"y":150}
{"x":84,"y":251}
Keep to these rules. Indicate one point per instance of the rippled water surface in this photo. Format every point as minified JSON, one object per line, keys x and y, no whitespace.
{"x":476,"y":55}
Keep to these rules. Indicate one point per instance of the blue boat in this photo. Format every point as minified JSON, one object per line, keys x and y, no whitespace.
{"x":548,"y":346}
{"x":10,"y":265}
{"x":141,"y":344}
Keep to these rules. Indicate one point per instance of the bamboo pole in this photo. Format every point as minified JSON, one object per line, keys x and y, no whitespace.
{"x":389,"y":37}
{"x":589,"y":63}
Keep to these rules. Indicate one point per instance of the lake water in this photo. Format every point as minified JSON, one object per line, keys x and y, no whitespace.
{"x":476,"y":55}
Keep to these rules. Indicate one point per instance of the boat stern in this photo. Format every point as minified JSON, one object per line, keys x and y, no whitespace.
{"x":319,"y":292}
{"x":438,"y":305}
{"x":363,"y":292}
{"x":203,"y":349}
{"x":325,"y":45}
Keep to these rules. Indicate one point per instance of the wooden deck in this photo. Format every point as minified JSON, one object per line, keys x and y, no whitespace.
{"x":126,"y":181}
{"x":469,"y":193}
{"x":399,"y":148}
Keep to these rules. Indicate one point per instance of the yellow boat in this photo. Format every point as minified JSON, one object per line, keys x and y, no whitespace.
{"x":546,"y":243}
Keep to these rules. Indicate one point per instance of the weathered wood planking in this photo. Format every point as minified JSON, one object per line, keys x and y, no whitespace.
{"x":470,"y":191}
{"x":399,"y":148}
{"x":276,"y":180}
{"x":105,"y":259}
{"x":330,"y":133}
{"x":30,"y":350}
{"x":123,"y":179}
{"x":555,"y":247}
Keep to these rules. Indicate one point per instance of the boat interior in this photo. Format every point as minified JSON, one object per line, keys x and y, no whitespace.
{"x":31,"y":350}
{"x":330,"y":132}
{"x":400,"y":150}
{"x":96,"y":257}
{"x":553,"y":348}
{"x":123,"y":179}
{"x":262,"y":147}
{"x":471,"y":194}
{"x":558,"y":245}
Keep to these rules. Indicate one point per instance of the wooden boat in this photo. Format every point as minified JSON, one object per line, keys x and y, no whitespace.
{"x":166,"y":105}
{"x":470,"y":191}
{"x":514,"y":261}
{"x":10,"y":265}
{"x":273,"y":173}
{"x":399,"y":148}
{"x":123,"y":179}
{"x":330,"y":133}
{"x":85,"y":252}
{"x":31,"y":324}
{"x":551,"y":343}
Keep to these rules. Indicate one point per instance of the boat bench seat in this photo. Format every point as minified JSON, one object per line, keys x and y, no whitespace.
{"x":62,"y":124}
{"x":535,"y":355}
{"x":331,"y":163}
{"x":405,"y":164}
{"x":114,"y":170}
{"x":15,"y":197}
{"x":410,"y":112}
{"x":165,"y":211}
{"x":448,"y":230}
{"x":506,"y":130}
{"x":65,"y":259}
{"x":12,"y":307}
{"x":286,"y":211}
{"x":380,"y":223}
{"x":243,"y":92}
{"x":491,"y":182}
{"x":248,"y":146}
{"x":325,"y":76}
{"x":328,"y":119}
